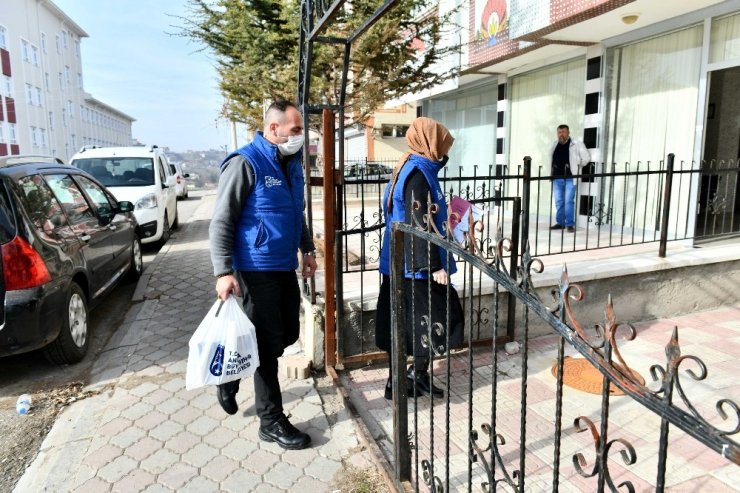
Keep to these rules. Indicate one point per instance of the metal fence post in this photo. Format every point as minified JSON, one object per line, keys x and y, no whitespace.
{"x":514,"y":263}
{"x":401,"y":446}
{"x":526,"y":197}
{"x":666,"y":206}
{"x":330,"y":335}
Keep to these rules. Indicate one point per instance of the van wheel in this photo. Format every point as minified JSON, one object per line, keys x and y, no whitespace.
{"x":165,"y":230}
{"x":73,"y":340}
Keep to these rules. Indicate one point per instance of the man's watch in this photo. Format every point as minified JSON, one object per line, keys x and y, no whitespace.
{"x":312,"y":253}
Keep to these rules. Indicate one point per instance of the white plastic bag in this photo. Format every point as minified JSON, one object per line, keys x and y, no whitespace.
{"x":223,"y":347}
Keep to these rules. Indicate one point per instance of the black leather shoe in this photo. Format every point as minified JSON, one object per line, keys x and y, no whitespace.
{"x":388,"y":394}
{"x":556,"y":226}
{"x":285,"y":434}
{"x":571,"y":229}
{"x":422,"y":383}
{"x":227,"y":396}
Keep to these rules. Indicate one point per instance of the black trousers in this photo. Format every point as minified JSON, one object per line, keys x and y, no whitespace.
{"x":272,"y":301}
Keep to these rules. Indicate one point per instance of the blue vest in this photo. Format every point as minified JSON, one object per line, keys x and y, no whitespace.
{"x":398,"y":213}
{"x":268,"y":232}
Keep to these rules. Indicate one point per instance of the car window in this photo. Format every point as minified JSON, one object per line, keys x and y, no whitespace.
{"x":101,"y":202}
{"x":173,"y":169}
{"x":71,"y":198}
{"x":42,"y":206}
{"x":163,"y":176}
{"x":119,"y":171}
{"x":7,"y":224}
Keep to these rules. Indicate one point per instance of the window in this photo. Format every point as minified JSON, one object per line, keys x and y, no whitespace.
{"x":394,"y":130}
{"x":71,"y":109}
{"x":26,"y":50}
{"x":29,"y":94}
{"x":51,"y":120}
{"x":43,"y":208}
{"x":64,"y":39}
{"x":82,"y":113}
{"x":32,"y":135}
{"x":77,"y":48}
{"x":101,"y":201}
{"x":72,"y":199}
{"x":47,"y":84}
{"x":35,"y":55}
{"x":61,"y":82}
{"x":74,"y":141}
{"x":2,"y":138}
{"x":39,"y":97}
{"x":79,"y":80}
{"x":64,"y":116}
{"x":67,"y":76}
{"x":3,"y":38}
{"x":12,"y":135}
{"x":42,"y":137}
{"x":59,"y":44}
{"x":8,"y":85}
{"x":43,"y":42}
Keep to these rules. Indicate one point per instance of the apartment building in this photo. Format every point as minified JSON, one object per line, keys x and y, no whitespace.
{"x":44,"y":108}
{"x":634,"y":79}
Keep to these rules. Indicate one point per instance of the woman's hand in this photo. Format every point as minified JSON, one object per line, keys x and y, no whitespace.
{"x":440,"y":277}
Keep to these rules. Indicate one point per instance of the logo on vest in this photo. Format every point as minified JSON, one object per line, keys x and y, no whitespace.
{"x":271,"y":181}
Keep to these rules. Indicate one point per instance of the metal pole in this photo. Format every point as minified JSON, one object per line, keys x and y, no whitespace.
{"x":511,"y":314}
{"x":526,"y":197}
{"x":401,"y":446}
{"x":330,"y":336}
{"x":666,"y":206}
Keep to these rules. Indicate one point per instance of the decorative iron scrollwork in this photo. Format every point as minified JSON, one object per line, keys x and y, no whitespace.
{"x":434,"y":483}
{"x":628,"y":454}
{"x":601,"y":214}
{"x":478,"y":453}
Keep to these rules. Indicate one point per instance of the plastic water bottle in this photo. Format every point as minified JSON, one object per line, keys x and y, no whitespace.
{"x":23,"y":404}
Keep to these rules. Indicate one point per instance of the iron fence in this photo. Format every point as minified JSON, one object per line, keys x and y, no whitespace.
{"x":506,"y":446}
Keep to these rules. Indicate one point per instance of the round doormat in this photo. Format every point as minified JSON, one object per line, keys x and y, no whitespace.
{"x":580,"y":374}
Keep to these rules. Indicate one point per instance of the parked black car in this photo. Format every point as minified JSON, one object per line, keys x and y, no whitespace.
{"x":65,"y":242}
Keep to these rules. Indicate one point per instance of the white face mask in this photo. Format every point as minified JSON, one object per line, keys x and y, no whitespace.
{"x":293,"y":145}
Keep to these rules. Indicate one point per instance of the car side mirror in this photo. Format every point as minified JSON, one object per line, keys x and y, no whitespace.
{"x":186,"y":175}
{"x":125,"y":206}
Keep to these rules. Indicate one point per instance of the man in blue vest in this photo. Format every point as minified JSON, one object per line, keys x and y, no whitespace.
{"x":255,"y":233}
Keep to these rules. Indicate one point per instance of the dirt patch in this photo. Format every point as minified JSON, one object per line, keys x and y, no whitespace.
{"x":23,"y":434}
{"x":352,"y":479}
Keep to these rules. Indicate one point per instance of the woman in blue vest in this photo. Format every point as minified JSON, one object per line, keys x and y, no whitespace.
{"x":427,"y":266}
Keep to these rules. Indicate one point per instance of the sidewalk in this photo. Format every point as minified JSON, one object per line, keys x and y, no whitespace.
{"x":145,"y":432}
{"x":713,"y":336}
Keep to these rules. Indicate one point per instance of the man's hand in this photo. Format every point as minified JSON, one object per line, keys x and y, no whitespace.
{"x":226,"y":285}
{"x":440,"y":277}
{"x":309,"y":266}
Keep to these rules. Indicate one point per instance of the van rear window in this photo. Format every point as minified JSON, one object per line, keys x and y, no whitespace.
{"x":119,"y":171}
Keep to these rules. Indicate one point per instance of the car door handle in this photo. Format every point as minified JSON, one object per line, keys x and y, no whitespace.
{"x":85,"y":237}
{"x":112,"y":227}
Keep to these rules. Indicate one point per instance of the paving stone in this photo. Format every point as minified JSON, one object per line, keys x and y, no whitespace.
{"x":260,"y":461}
{"x":241,"y":481}
{"x":299,"y":458}
{"x":143,"y":448}
{"x":199,"y":485}
{"x":202,"y":426}
{"x":128,"y":437}
{"x":133,"y":482}
{"x":182,"y":442}
{"x":157,"y":488}
{"x":219,"y":468}
{"x":177,"y":476}
{"x":283,"y":475}
{"x":308,"y":483}
{"x":117,"y":469}
{"x":171,"y":405}
{"x":166,"y":430}
{"x":323,"y":468}
{"x":95,"y":484}
{"x":186,"y":415}
{"x":159,"y":461}
{"x":239,"y":449}
{"x":102,"y":456}
{"x":151,"y":420}
{"x":200,"y":455}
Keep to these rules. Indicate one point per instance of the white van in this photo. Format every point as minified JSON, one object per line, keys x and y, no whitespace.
{"x":140,"y":175}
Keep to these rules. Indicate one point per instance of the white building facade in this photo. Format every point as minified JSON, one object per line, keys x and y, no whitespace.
{"x":44,"y":108}
{"x":634,"y":79}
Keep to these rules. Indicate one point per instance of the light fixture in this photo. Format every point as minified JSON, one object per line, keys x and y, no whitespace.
{"x":630,"y":18}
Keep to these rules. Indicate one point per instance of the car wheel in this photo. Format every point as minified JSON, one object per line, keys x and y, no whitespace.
{"x":176,"y":222}
{"x":73,"y":340}
{"x":137,"y":262}
{"x":165,"y":230}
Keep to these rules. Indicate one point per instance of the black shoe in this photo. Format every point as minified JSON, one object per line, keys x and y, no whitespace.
{"x":570,"y":229}
{"x":422,"y":383}
{"x":285,"y":434}
{"x":388,"y":394}
{"x":227,"y":396}
{"x":556,"y":226}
